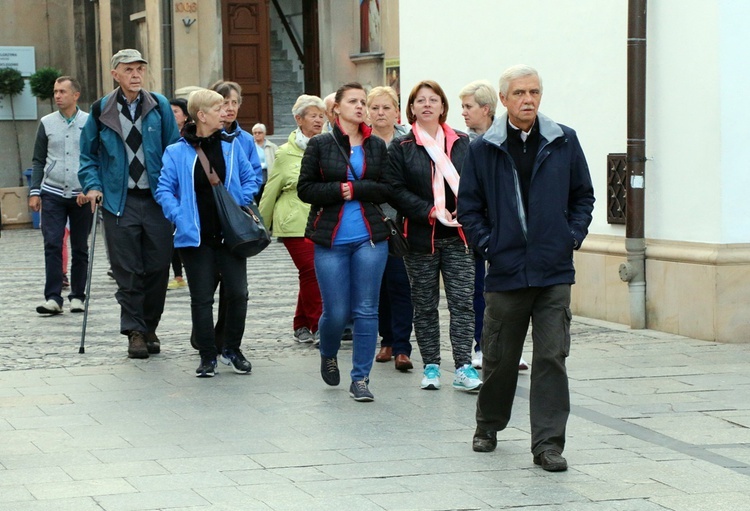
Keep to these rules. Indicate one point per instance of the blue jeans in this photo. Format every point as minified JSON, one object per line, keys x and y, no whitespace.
{"x":349,"y":278}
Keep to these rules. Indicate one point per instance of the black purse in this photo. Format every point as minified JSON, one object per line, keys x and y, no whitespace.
{"x":398,"y":245}
{"x":242,"y":228}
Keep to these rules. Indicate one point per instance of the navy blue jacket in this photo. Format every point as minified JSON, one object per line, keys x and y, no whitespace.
{"x":531,"y":248}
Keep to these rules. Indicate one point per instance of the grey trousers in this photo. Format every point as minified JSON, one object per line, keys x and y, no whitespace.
{"x":140,"y":252}
{"x":506,"y":322}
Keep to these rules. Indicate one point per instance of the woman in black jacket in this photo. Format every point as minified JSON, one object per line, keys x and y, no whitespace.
{"x":341,"y":177}
{"x":424,"y":168}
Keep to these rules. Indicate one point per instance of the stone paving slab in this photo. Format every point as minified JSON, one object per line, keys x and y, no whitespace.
{"x":658,"y":422}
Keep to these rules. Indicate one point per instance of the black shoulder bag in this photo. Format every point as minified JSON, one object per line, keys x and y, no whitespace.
{"x":243,"y":230}
{"x":398,"y":245}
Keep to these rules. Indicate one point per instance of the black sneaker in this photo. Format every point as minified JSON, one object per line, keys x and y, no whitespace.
{"x":329,"y":370}
{"x":360,"y":392}
{"x":348,"y":334}
{"x":207,"y":369}
{"x":236,"y":360}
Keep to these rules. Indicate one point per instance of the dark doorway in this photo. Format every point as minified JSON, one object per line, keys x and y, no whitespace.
{"x":247,"y":58}
{"x":311,"y":44}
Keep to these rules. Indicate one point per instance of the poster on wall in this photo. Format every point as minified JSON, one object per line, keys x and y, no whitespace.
{"x":21,"y":58}
{"x":393,"y":75}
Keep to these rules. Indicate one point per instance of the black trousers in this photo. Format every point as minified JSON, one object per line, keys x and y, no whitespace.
{"x":140,"y":250}
{"x":56,"y":212}
{"x":203,"y":266}
{"x":506,"y":321}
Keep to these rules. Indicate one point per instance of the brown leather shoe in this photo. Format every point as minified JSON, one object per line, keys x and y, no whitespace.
{"x":384,"y":355}
{"x":403,"y":363}
{"x":137,"y":345}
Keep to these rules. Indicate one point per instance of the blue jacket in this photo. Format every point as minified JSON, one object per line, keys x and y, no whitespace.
{"x":534,"y":248}
{"x":247,"y":143}
{"x":103,"y":161}
{"x":176,"y":191}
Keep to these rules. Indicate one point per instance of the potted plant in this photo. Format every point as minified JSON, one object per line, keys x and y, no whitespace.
{"x":43,"y":83}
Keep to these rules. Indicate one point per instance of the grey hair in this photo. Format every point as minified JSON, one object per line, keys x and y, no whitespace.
{"x":306,"y":101}
{"x":258,"y":125}
{"x":515,"y":72}
{"x":484,"y":94}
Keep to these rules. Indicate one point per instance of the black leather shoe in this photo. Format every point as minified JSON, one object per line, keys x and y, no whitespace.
{"x":153,"y":345}
{"x":551,"y":461}
{"x":484,"y":441}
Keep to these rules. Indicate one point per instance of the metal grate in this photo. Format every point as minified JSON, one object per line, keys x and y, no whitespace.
{"x":617,"y":173}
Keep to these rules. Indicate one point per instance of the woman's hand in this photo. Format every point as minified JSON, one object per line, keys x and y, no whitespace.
{"x":346,"y":191}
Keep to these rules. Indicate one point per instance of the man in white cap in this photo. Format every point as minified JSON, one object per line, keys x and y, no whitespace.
{"x":121,"y":148}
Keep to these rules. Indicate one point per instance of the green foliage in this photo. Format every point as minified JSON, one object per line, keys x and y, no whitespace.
{"x":43,"y":82}
{"x":11,"y":82}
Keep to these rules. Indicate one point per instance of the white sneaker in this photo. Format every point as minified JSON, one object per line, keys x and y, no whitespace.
{"x":431,"y":380}
{"x":476,"y":362}
{"x":467,"y":378}
{"x":49,"y":307}
{"x":523,"y":365}
{"x":76,"y":305}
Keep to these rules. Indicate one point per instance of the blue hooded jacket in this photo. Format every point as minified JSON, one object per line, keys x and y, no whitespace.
{"x":176,"y":191}
{"x":531,"y":248}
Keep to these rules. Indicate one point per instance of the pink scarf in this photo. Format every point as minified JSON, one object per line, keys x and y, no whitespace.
{"x":445,"y":170}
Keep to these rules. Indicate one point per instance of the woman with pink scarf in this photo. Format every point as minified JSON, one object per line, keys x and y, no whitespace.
{"x":424,"y":169}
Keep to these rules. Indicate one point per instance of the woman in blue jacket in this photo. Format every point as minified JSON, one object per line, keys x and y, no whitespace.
{"x":186,"y":197}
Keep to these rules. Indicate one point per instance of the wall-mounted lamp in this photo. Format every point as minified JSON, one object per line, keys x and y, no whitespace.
{"x":188,"y":22}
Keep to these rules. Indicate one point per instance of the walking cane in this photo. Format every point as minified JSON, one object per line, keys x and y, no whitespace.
{"x":88,"y":275}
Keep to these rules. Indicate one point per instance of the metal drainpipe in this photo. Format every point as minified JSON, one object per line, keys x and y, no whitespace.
{"x":167,"y":52}
{"x":634,"y":271}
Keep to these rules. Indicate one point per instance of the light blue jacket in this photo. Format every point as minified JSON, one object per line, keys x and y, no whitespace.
{"x":247,"y":143}
{"x":103,"y":161}
{"x":176,"y":191}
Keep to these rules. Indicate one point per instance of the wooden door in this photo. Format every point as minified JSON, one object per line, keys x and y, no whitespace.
{"x":247,"y":58}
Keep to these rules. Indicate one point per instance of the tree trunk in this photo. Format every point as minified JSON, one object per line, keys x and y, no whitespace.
{"x":18,"y":142}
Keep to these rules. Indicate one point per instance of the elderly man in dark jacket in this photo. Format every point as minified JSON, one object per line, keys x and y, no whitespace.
{"x":525,"y":202}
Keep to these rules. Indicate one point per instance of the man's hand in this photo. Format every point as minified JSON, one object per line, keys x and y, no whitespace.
{"x":35,"y":203}
{"x":92,"y":198}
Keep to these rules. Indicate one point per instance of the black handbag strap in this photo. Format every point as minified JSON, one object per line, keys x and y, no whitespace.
{"x":213,"y":178}
{"x":349,"y":162}
{"x":346,"y":157}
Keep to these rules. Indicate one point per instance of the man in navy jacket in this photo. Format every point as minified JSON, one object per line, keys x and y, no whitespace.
{"x":525,"y":202}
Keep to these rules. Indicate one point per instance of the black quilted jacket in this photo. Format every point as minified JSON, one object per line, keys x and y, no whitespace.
{"x":409,"y":175}
{"x":324,"y":169}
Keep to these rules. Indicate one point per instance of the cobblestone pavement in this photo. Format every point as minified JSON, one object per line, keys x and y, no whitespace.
{"x":28,"y":340}
{"x":658,"y":421}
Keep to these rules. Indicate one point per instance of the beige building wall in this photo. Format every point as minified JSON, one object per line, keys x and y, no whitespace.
{"x":340,"y":58}
{"x":50,"y":31}
{"x":198,"y":55}
{"x":699,"y":290}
